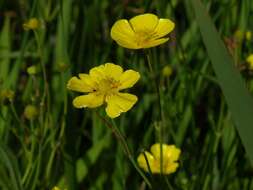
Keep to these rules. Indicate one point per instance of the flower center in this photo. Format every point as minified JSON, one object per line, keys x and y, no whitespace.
{"x":144,"y":37}
{"x":108,"y":86}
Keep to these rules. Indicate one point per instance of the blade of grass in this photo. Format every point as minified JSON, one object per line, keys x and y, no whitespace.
{"x":237,"y":96}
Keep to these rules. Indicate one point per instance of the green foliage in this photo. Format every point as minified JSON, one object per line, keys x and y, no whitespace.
{"x":74,"y":148}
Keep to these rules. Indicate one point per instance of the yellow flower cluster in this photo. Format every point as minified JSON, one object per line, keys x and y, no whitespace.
{"x":104,"y":83}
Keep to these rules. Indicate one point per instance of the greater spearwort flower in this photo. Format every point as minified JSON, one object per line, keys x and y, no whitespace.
{"x":249,"y":60}
{"x":170,"y":156}
{"x":141,"y":31}
{"x":103,"y":84}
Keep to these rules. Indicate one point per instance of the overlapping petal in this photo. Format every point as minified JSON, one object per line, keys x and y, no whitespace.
{"x":119,"y":103}
{"x":91,"y":100}
{"x":143,"y":162}
{"x":78,"y":85}
{"x":113,"y":71}
{"x":155,"y":42}
{"x":97,"y":73}
{"x":144,"y":23}
{"x":128,"y":79}
{"x":164,"y":27}
{"x":123,"y":34}
{"x":170,"y":152}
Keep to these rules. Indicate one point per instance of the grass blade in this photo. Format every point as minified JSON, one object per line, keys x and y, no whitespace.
{"x":237,"y":96}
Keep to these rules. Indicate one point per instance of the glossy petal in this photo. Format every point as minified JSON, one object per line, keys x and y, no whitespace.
{"x":123,"y":34}
{"x":78,"y":85}
{"x":97,"y":73}
{"x":143,"y":162}
{"x":144,"y":23}
{"x":113,"y":71}
{"x":88,"y":80}
{"x":153,"y":43}
{"x":128,"y":79}
{"x":164,"y":27}
{"x":118,"y":103}
{"x":170,"y":168}
{"x":90,"y":100}
{"x":170,"y":152}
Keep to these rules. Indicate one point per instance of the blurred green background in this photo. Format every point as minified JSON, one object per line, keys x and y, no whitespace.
{"x":73,"y":149}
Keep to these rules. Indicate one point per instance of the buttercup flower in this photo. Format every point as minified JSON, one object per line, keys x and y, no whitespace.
{"x":31,"y":24}
{"x":169,"y":159}
{"x":142,"y":31}
{"x":103,"y":84}
{"x":249,"y":60}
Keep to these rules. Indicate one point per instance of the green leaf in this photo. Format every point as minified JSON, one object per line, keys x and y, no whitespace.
{"x":237,"y":96}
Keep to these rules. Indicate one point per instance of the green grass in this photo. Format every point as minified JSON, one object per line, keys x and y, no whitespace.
{"x":206,"y":112}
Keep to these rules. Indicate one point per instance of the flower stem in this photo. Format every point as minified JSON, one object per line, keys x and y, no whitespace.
{"x":158,"y":93}
{"x":112,"y":126}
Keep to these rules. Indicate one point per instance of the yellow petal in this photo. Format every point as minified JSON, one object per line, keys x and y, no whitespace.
{"x":170,"y":168}
{"x":128,"y":44}
{"x":163,"y":27}
{"x":143,"y":162}
{"x":88,"y":80}
{"x":78,"y":85}
{"x":123,"y":34}
{"x":170,"y":152}
{"x":128,"y":79}
{"x":114,"y":71}
{"x":118,"y":103}
{"x":144,"y":23}
{"x":90,"y":100}
{"x":153,"y":43}
{"x":97,"y":73}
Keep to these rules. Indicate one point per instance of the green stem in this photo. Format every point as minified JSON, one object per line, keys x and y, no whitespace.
{"x":112,"y":126}
{"x":15,"y":114}
{"x":158,"y":93}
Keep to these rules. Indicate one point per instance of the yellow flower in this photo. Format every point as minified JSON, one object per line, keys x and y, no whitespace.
{"x":167,"y":71}
{"x":31,"y":112}
{"x":141,"y":31}
{"x":249,"y":60}
{"x":169,"y":159}
{"x":103,"y":84}
{"x":31,"y":24}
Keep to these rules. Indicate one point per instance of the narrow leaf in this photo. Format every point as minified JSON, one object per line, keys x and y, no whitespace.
{"x":236,"y":94}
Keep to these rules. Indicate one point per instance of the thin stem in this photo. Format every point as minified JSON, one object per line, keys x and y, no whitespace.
{"x":15,"y":114}
{"x":158,"y":93}
{"x":112,"y":126}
